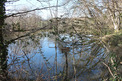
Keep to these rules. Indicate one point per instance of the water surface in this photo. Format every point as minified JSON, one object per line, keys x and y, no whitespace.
{"x":57,"y":58}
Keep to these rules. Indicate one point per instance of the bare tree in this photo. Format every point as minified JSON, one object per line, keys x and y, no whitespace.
{"x":103,"y":13}
{"x":4,"y":43}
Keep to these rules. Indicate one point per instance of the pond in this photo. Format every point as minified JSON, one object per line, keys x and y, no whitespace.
{"x":57,"y":58}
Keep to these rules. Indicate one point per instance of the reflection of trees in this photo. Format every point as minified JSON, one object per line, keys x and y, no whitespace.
{"x":20,"y":54}
{"x":85,"y":56}
{"x":78,"y":57}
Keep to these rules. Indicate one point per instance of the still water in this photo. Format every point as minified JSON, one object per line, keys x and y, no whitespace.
{"x":61,"y":58}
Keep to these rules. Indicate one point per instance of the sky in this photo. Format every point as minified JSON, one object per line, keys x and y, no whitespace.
{"x":32,"y":4}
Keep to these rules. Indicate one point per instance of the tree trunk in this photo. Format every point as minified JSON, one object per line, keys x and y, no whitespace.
{"x":66,"y":62}
{"x":116,"y":23}
{"x":3,"y":50}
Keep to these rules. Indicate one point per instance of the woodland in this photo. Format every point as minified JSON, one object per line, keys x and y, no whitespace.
{"x":79,"y":40}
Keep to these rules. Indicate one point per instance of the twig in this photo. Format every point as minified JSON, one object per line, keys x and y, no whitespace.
{"x":20,"y":13}
{"x":109,"y":69}
{"x":12,"y":40}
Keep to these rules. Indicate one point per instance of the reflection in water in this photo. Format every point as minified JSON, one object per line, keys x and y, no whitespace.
{"x":67,"y":59}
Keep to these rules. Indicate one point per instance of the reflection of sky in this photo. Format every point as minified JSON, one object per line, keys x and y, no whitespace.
{"x":38,"y":59}
{"x":48,"y":51}
{"x":43,"y":57}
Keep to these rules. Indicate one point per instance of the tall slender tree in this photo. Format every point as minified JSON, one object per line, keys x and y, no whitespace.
{"x":3,"y":47}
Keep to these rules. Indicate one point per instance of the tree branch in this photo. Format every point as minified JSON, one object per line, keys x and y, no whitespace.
{"x":109,"y":70}
{"x":12,"y":40}
{"x":19,"y":13}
